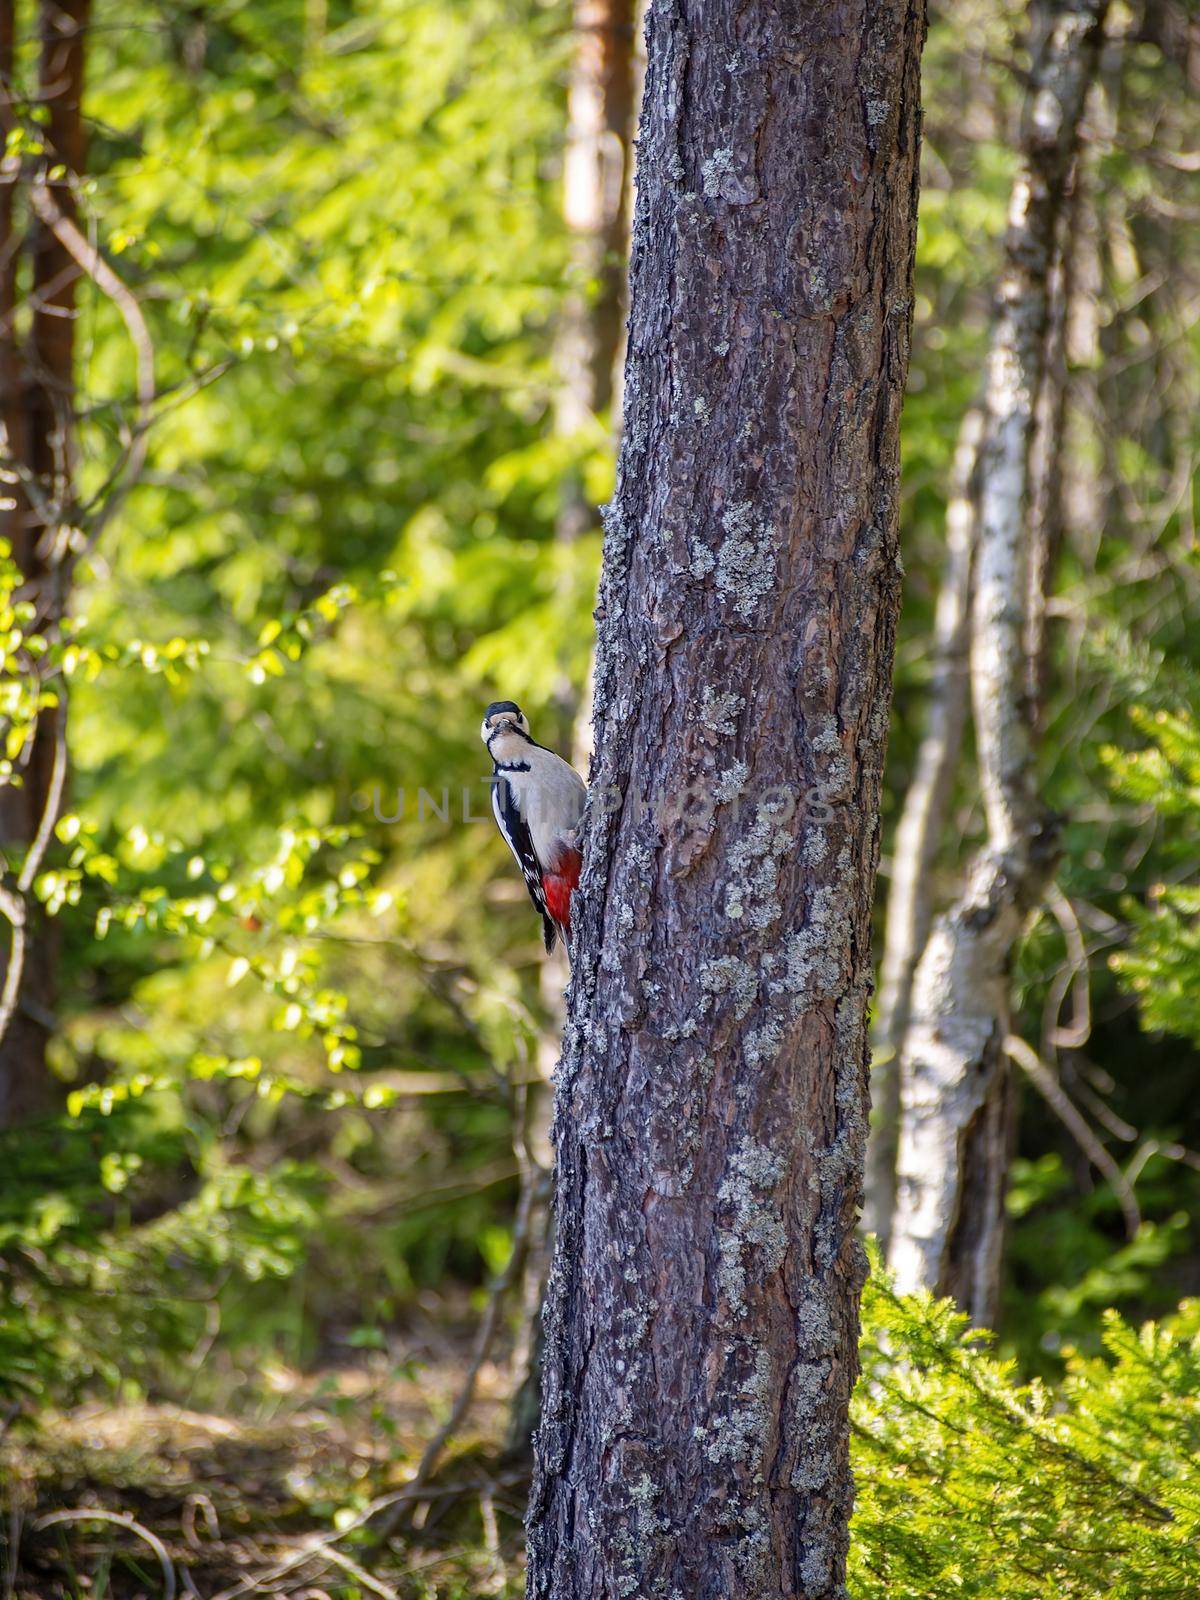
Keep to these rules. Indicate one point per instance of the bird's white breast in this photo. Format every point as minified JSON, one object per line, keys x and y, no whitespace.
{"x":550,"y":797}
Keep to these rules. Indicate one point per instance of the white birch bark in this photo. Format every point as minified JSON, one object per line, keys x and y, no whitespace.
{"x":909,"y":910}
{"x":956,"y":1097}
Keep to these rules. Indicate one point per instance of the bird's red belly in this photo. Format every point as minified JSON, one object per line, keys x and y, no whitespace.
{"x":557,"y":887}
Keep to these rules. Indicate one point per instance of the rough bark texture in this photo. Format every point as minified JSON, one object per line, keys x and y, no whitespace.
{"x":919,"y":833}
{"x":38,"y":409}
{"x":956,"y":1129}
{"x":702,"y":1319}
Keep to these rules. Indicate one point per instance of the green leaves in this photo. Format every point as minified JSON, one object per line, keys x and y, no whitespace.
{"x":1161,"y":966}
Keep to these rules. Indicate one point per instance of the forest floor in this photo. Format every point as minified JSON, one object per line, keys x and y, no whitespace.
{"x":313,"y":1499}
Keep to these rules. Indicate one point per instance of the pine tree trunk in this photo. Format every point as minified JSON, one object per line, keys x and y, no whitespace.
{"x":702,"y":1318}
{"x":37,"y":403}
{"x":957,"y":1123}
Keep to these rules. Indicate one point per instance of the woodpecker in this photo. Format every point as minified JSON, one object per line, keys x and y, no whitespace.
{"x":537,"y":800}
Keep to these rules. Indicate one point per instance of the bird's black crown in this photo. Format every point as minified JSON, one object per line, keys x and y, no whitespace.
{"x":501,"y":705}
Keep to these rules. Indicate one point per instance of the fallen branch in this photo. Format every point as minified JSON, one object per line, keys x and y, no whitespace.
{"x":319,"y":1545}
{"x":120,"y":1519}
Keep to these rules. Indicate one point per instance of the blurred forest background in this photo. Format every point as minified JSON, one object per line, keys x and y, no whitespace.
{"x":317,"y":480}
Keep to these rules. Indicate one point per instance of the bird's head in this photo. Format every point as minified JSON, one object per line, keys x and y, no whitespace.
{"x":503,"y":718}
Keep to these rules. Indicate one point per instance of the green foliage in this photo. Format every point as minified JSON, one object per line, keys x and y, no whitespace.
{"x":972,"y":1483}
{"x":1068,"y":1257}
{"x":1162,"y":964}
{"x":110,"y":1275}
{"x":343,"y":225}
{"x":1068,"y":1261}
{"x":1123,"y":631}
{"x":289,"y":1029}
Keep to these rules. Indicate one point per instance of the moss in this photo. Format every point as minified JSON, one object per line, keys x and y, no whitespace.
{"x":815,"y":847}
{"x":816,"y":1566}
{"x":762,"y":1044}
{"x":827,"y":743}
{"x":814,"y":1472}
{"x":703,"y":561}
{"x":742,"y":1435}
{"x":731,"y":782}
{"x":814,"y":1326}
{"x":814,"y":954}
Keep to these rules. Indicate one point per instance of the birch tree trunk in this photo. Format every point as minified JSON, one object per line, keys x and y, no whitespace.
{"x":956,"y":1090}
{"x":702,"y":1317}
{"x":909,"y":912}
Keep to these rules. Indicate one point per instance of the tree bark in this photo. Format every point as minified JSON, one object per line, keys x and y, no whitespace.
{"x":702,"y":1318}
{"x":957,"y":1097}
{"x":39,"y":416}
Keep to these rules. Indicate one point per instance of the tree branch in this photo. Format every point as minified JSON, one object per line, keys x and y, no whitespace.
{"x":1051,"y":1090}
{"x":87,"y":257}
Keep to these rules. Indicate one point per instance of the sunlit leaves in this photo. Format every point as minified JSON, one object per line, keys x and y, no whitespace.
{"x":1162,"y":964}
{"x":972,"y":1483}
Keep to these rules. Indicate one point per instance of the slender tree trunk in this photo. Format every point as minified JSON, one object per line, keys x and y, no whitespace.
{"x":1047,"y":467}
{"x":956,"y":1090}
{"x":595,"y":203}
{"x":12,"y":399}
{"x":597,"y":194}
{"x":919,"y":833}
{"x":39,"y":415}
{"x":702,"y":1318}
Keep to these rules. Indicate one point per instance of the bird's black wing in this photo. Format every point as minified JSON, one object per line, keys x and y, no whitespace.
{"x":516,"y":835}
